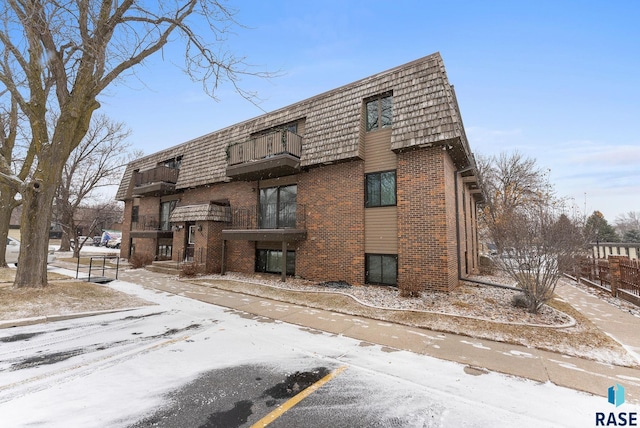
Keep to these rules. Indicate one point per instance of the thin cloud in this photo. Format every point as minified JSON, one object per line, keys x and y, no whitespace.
{"x":590,"y":152}
{"x":478,"y":134}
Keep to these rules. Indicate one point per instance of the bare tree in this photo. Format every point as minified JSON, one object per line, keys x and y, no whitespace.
{"x":538,"y":246}
{"x":97,"y":162}
{"x":61,"y":55}
{"x":511,"y":181}
{"x":92,"y":219}
{"x":12,"y":161}
{"x":534,"y":243}
{"x":628,"y":226}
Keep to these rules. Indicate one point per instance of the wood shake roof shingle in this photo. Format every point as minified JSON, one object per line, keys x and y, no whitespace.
{"x":425,"y":112}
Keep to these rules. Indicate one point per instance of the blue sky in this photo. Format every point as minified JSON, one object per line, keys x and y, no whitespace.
{"x":555,"y":80}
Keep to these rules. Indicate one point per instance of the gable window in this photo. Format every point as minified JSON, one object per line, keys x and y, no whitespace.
{"x":381,"y":189}
{"x":173,"y":163}
{"x":381,"y":269}
{"x":378,"y":112}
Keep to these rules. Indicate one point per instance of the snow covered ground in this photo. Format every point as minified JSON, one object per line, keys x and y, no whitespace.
{"x":118,"y":369}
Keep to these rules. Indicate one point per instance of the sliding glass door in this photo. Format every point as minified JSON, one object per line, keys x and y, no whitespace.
{"x":278,"y":207}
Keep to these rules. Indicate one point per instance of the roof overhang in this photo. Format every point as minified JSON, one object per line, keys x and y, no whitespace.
{"x":272,"y":167}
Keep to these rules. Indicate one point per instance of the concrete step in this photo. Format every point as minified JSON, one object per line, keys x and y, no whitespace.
{"x":168,"y":268}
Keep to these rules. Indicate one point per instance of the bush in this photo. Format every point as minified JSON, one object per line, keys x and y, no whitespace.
{"x":138,"y":261}
{"x":486,"y":265}
{"x":520,"y":300}
{"x":189,"y":269}
{"x":410,"y":290}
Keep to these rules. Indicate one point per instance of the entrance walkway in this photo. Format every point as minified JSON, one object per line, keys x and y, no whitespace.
{"x":621,"y":325}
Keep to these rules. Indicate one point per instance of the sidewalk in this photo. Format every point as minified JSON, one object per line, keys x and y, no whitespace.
{"x":477,"y":355}
{"x":617,"y":323}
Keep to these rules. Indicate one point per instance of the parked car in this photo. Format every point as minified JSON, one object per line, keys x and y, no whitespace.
{"x":114,"y":243}
{"x":13,"y":250}
{"x":84,"y":240}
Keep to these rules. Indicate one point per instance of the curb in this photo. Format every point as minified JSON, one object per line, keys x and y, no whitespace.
{"x":53,"y":318}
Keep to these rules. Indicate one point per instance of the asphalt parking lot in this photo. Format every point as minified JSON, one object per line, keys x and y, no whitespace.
{"x":187,"y":363}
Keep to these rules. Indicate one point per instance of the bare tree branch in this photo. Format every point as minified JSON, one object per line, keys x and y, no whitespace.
{"x":60,"y":55}
{"x":535,"y":244}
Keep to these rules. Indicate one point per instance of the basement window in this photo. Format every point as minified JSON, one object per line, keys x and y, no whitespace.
{"x":381,"y":269}
{"x":270,"y":261}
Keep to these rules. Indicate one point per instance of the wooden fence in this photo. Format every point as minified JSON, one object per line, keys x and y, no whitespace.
{"x":618,"y":275}
{"x":630,"y":276}
{"x":597,"y":271}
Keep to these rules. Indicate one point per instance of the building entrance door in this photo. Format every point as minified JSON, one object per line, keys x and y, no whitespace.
{"x":190,"y":241}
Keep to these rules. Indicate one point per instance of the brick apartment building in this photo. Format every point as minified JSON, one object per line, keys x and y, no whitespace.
{"x":371,"y":183}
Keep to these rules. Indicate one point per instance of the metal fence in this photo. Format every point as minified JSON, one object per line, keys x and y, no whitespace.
{"x":264,"y":146}
{"x":150,"y":222}
{"x":158,"y":174}
{"x":190,"y":255}
{"x":101,"y":269}
{"x":269,"y":216}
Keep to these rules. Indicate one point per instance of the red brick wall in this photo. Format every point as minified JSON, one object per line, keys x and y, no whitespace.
{"x":126,"y":227}
{"x":333,"y":200}
{"x":452,"y":224}
{"x":426,"y":234}
{"x":333,"y":197}
{"x":149,"y":206}
{"x":213,"y":230}
{"x":144,"y":246}
{"x":208,"y":244}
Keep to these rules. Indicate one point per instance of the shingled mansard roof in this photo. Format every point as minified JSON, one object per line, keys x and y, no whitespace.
{"x":200,"y":212}
{"x":425,"y":112}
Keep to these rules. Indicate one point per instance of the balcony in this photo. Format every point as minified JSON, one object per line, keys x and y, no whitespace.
{"x":267,"y":222}
{"x":157,"y":181}
{"x":271,"y":155}
{"x":150,"y":227}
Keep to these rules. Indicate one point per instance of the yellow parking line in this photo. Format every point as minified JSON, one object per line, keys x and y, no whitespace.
{"x":296,"y":399}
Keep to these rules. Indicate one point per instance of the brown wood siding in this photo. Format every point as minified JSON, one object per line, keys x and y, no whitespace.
{"x":381,"y":230}
{"x":377,"y":151}
{"x":380,"y":223}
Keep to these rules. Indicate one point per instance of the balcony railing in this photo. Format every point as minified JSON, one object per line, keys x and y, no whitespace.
{"x":269,"y":216}
{"x":265,"y":146}
{"x":159,"y":174}
{"x":150,"y":223}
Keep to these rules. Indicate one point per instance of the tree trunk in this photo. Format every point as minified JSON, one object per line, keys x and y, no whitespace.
{"x":65,"y":241}
{"x":7,"y":206}
{"x":77,"y":246}
{"x":68,"y":229}
{"x":34,"y":229}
